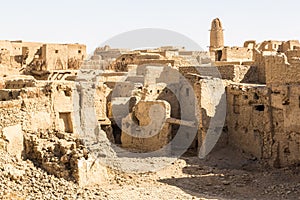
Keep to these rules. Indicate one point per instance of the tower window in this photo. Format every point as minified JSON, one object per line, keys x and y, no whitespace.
{"x":56,"y":51}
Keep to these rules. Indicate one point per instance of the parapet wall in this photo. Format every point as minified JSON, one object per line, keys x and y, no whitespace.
{"x":239,"y":73}
{"x":280,"y":71}
{"x":237,"y":54}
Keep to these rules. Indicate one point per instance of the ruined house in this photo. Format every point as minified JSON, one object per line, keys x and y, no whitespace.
{"x":262,"y":102}
{"x":43,"y":61}
{"x":165,"y":99}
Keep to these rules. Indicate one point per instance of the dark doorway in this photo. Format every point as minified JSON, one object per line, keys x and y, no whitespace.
{"x":218,"y":55}
{"x":67,"y":119}
{"x":117,"y":134}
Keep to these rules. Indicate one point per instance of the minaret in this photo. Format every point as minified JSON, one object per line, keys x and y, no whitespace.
{"x":216,"y":35}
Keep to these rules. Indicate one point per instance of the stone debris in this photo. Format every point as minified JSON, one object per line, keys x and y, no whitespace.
{"x":78,"y":128}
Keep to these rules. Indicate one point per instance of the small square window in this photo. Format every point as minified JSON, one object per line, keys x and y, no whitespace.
{"x":79,"y":51}
{"x":56,"y":51}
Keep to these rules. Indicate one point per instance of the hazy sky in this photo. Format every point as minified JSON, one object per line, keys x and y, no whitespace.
{"x":94,"y":21}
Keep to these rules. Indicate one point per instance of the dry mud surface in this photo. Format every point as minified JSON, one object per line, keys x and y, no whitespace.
{"x":224,"y":174}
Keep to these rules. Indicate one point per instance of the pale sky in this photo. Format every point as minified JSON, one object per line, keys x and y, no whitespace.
{"x":94,"y":21}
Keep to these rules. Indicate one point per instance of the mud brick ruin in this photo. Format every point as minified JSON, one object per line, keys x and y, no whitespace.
{"x":144,"y":92}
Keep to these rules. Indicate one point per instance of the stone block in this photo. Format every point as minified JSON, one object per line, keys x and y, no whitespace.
{"x":14,"y":136}
{"x":91,"y":172}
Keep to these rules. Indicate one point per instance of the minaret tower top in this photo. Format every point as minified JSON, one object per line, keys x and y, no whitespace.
{"x":216,"y":35}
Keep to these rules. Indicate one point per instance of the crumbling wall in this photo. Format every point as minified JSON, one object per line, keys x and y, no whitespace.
{"x":259,"y":62}
{"x":30,"y":51}
{"x":43,"y":115}
{"x":145,"y":129}
{"x":263,"y":121}
{"x":280,"y":71}
{"x":55,"y":152}
{"x":239,"y":73}
{"x":248,"y":119}
{"x":16,"y":54}
{"x":55,"y":56}
{"x":21,"y":52}
{"x":63,"y":56}
{"x":26,"y":110}
{"x":76,"y":55}
{"x":36,"y":58}
{"x":65,"y":156}
{"x":4,"y":57}
{"x":290,"y":45}
{"x":103,"y":57}
{"x":138,"y":58}
{"x":7,"y":95}
{"x":292,"y":55}
{"x":202,"y":57}
{"x":11,"y":136}
{"x":5,"y":44}
{"x":240,"y":54}
{"x":108,"y":53}
{"x":171,"y":95}
{"x":62,"y":105}
{"x":19,"y":82}
{"x":271,"y":45}
{"x":101,"y":102}
{"x":210,"y":113}
{"x":250,"y":44}
{"x":286,"y":116}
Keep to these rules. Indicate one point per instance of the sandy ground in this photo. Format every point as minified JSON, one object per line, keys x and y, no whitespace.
{"x":217,"y":177}
{"x":225,"y":174}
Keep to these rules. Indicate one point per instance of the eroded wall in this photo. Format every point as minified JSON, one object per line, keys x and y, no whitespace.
{"x":240,"y":54}
{"x":239,"y":73}
{"x":285,"y":114}
{"x":149,"y":131}
{"x":248,"y":118}
{"x":263,"y":121}
{"x":37,"y":123}
{"x":281,"y":71}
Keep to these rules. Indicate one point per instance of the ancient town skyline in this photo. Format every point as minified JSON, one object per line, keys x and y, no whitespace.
{"x":93,"y":22}
{"x":153,"y":121}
